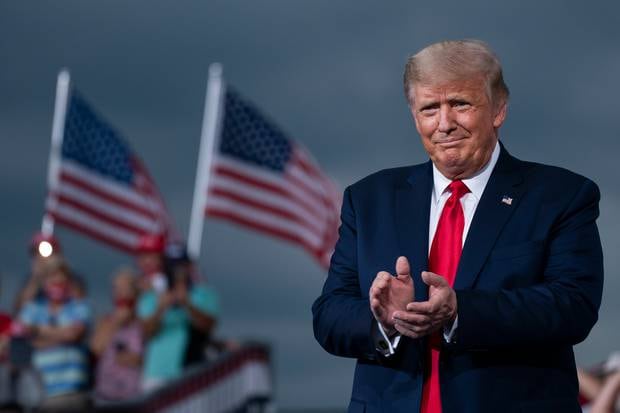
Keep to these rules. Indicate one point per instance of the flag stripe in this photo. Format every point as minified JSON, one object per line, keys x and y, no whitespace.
{"x":266,"y":219}
{"x":95,"y":234}
{"x":107,"y":206}
{"x":101,"y":194}
{"x":118,"y":232}
{"x":273,"y":177}
{"x":115,"y":236}
{"x":301,"y":180}
{"x":269,"y":181}
{"x":312,"y":180}
{"x":276,"y":212}
{"x":109,"y":186}
{"x":118,"y":220}
{"x":262,"y":227}
{"x":314,"y":210}
{"x":306,"y":162}
{"x":252,"y":195}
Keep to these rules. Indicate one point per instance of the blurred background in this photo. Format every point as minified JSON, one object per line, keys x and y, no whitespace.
{"x":329,"y":73}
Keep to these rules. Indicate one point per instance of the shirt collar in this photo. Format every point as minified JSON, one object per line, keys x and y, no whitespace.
{"x":476,"y":183}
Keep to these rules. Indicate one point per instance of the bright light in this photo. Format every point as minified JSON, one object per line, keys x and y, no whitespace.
{"x":45,"y":249}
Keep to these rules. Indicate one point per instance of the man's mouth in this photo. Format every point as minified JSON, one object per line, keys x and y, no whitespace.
{"x":449,"y":142}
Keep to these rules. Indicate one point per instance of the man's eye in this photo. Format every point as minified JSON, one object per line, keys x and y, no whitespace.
{"x":428,"y":111}
{"x":461,"y":104}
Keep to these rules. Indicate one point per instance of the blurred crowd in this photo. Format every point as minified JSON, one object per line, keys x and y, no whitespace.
{"x":160,"y":322}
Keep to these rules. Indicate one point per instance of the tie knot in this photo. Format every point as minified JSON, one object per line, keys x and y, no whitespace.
{"x":458,"y":189}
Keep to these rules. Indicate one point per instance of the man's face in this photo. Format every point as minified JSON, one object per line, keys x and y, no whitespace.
{"x":458,"y":125}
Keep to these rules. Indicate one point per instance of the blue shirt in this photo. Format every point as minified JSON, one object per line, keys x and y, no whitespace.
{"x":63,"y":368}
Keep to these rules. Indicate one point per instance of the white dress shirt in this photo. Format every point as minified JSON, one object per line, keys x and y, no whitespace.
{"x":469,"y":202}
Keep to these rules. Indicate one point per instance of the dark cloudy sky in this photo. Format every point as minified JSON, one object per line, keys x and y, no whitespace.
{"x":330,"y":74}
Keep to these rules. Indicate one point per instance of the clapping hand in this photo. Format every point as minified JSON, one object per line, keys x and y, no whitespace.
{"x":419,"y":319}
{"x":389,"y":294}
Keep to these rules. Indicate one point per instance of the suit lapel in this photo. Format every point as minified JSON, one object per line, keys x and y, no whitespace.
{"x":499,"y":199}
{"x":412,"y":204}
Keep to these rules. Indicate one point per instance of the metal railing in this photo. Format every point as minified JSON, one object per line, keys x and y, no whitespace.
{"x":239,"y":381}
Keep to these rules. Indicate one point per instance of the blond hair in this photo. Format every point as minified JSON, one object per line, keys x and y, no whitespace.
{"x":55,"y":263}
{"x":456,"y":60}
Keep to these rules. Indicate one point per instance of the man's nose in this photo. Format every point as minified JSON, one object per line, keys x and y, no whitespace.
{"x":446,"y":119}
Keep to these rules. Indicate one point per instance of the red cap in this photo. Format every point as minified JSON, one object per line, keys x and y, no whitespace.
{"x":40,"y":237}
{"x":151,"y":243}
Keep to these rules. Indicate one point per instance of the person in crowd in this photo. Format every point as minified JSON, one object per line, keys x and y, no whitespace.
{"x":41,"y":248}
{"x":150,"y":262}
{"x":56,"y":325}
{"x":170,"y":316}
{"x":117,"y":343}
{"x":599,"y":388}
{"x":5,"y":336}
{"x":5,"y":368}
{"x":182,"y":271}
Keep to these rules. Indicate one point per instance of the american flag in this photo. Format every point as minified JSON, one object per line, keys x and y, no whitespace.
{"x":103,"y":190}
{"x":264,"y":181}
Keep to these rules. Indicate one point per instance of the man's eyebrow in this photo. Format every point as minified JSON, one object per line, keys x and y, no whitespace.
{"x":459,"y":99}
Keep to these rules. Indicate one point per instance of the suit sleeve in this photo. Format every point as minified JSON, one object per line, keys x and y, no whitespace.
{"x":562,"y":308}
{"x":342,"y":320}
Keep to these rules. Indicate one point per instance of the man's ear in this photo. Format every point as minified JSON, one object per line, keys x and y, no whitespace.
{"x":500,"y":114}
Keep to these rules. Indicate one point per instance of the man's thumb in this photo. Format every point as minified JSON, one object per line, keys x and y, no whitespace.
{"x":402,"y":267}
{"x":433,"y":280}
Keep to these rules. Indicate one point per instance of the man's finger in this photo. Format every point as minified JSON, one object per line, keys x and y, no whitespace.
{"x":402,"y":329}
{"x":373,"y":293}
{"x":383,"y":275}
{"x":376,"y":290}
{"x":419,"y":330}
{"x":433,"y":280}
{"x":402,"y":267}
{"x":416,"y":319}
{"x":420,"y":307}
{"x":380,"y":284}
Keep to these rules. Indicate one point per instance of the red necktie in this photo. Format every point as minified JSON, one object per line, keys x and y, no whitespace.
{"x":443,"y":260}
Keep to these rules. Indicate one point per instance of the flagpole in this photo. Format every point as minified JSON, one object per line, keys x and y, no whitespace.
{"x":210,"y":134}
{"x":58,"y":131}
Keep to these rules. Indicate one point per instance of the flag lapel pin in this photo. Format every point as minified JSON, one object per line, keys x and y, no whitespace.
{"x":506,"y":200}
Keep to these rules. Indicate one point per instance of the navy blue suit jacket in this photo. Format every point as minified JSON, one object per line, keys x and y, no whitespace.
{"x":528,"y":287}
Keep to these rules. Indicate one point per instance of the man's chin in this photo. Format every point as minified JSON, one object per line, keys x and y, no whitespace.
{"x":452,"y":165}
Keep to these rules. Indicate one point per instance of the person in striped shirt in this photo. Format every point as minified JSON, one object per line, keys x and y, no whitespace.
{"x":56,"y":326}
{"x":118,"y":343}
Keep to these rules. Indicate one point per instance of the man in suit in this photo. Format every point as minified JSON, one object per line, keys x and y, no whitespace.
{"x":498,"y":262}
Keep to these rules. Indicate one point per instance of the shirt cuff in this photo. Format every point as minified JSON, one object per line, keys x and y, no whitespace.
{"x":391,"y":344}
{"x":449,"y":331}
